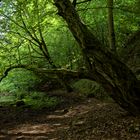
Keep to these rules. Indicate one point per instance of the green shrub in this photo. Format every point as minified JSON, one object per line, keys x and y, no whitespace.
{"x":7,"y":100}
{"x":89,"y":88}
{"x":18,"y":80}
{"x":34,"y":100}
{"x":39,"y":100}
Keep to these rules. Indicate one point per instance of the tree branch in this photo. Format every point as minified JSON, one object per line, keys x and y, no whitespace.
{"x":51,"y":73}
{"x":9,"y":69}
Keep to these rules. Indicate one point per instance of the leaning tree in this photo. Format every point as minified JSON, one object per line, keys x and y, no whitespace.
{"x":103,"y":66}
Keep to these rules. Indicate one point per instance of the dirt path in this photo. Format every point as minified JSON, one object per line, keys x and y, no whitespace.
{"x":90,"y":119}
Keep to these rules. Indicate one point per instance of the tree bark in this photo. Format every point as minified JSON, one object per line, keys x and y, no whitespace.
{"x":111,"y":26}
{"x":103,"y":66}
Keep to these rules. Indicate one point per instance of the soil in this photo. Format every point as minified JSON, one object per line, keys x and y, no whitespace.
{"x":75,"y":119}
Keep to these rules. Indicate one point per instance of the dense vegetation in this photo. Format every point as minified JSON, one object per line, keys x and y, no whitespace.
{"x":51,"y":44}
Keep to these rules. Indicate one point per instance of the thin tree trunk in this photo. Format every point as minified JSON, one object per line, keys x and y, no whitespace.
{"x":103,"y":66}
{"x":111,"y":26}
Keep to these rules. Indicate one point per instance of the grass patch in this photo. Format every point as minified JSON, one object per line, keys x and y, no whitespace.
{"x":39,"y":100}
{"x":7,"y":100}
{"x":34,"y":100}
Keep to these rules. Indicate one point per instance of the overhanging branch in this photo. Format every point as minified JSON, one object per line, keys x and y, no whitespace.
{"x":43,"y":72}
{"x":5,"y":74}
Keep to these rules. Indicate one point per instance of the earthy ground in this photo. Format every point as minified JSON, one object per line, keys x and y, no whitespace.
{"x":75,"y":119}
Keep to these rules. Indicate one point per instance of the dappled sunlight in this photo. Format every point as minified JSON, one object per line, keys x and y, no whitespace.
{"x":91,"y":118}
{"x":34,"y":130}
{"x":101,"y":104}
{"x":37,"y":129}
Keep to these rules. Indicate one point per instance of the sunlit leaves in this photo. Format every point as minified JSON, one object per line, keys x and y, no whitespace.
{"x":23,"y":20}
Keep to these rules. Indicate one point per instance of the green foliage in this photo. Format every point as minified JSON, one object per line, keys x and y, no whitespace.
{"x":64,"y":51}
{"x":18,"y":80}
{"x":37,"y":19}
{"x":6,"y":99}
{"x":126,"y":18}
{"x":17,"y":86}
{"x":22,"y":19}
{"x":34,"y":100}
{"x":39,"y":100}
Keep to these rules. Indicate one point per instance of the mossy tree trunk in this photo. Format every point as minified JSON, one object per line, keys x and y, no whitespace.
{"x":103,"y":66}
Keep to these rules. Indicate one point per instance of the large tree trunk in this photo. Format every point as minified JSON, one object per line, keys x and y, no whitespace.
{"x":103,"y":66}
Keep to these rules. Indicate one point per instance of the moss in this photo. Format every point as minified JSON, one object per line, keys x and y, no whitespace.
{"x":89,"y":88}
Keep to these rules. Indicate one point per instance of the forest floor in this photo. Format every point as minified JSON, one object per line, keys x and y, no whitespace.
{"x":74,"y":119}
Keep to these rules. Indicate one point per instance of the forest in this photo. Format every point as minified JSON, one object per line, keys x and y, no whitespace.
{"x":70,"y":69}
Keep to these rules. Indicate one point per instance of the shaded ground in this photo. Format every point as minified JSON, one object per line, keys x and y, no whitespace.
{"x":75,"y":119}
